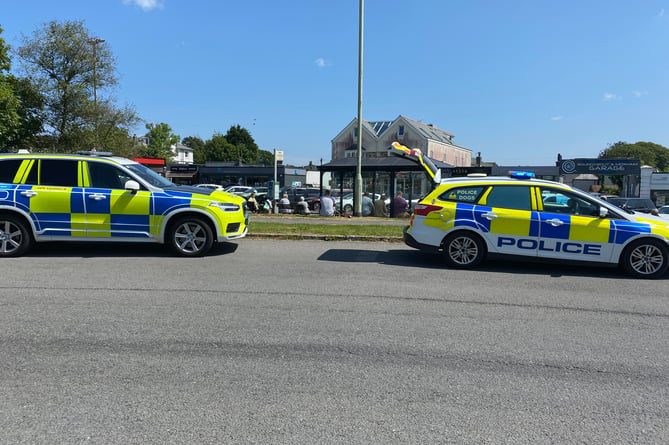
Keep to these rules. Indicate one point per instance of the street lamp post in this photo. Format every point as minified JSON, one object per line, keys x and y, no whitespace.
{"x":358,"y":168}
{"x":95,"y":42}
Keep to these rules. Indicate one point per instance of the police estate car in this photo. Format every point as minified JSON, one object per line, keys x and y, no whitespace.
{"x":99,"y":197}
{"x":467,"y":218}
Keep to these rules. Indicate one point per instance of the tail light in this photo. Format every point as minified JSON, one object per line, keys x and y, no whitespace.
{"x":424,"y":209}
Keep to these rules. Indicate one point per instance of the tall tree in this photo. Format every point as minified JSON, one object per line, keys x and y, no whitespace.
{"x":247,"y":149}
{"x":161,"y":141}
{"x":197,"y":145}
{"x":648,"y":153}
{"x":71,"y":68}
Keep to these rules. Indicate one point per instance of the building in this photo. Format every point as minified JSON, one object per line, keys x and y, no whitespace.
{"x":377,"y":137}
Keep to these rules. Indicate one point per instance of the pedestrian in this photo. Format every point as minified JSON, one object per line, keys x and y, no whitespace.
{"x":327,"y":204}
{"x":367,"y":205}
{"x":252,"y":203}
{"x":302,"y":206}
{"x":380,"y":208}
{"x":400,"y":206}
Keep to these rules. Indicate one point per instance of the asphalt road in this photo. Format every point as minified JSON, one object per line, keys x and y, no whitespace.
{"x":309,"y":342}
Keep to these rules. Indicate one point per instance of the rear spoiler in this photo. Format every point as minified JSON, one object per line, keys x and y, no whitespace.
{"x":417,"y":156}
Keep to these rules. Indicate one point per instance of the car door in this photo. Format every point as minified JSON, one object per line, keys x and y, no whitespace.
{"x":571,"y":227}
{"x":111,"y":210}
{"x":49,"y":190}
{"x":512,"y":226}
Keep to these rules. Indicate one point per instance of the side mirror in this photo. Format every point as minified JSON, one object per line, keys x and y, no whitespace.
{"x":603,"y":212}
{"x":131,"y":185}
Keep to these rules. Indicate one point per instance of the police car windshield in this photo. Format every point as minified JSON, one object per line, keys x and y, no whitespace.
{"x":149,"y":175}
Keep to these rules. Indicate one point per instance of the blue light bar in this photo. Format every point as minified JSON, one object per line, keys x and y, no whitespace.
{"x":521,"y":175}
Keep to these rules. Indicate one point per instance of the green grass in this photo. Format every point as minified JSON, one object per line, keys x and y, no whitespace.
{"x":324,"y":229}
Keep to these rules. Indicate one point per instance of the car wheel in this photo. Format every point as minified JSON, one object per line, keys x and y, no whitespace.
{"x":15,"y":236}
{"x":645,"y":258}
{"x":317,"y":207}
{"x":463,"y":249}
{"x":191,"y":236}
{"x":348,"y":208}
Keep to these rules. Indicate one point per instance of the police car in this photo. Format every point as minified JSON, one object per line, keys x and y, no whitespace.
{"x":99,"y":197}
{"x":467,"y":218}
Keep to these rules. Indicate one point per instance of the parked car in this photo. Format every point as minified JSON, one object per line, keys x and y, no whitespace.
{"x":218,"y":187}
{"x":104,"y":198}
{"x":240,"y":190}
{"x":663,"y":211}
{"x":644,"y":205}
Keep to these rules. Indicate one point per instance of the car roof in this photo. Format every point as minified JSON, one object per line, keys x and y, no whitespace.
{"x":78,"y":156}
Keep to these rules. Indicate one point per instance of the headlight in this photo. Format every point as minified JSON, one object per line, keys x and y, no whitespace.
{"x":226,"y":206}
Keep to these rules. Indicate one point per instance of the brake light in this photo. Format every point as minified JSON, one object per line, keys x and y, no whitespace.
{"x":424,"y":209}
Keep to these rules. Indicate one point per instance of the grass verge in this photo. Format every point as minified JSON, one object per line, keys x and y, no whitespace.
{"x":325,"y":229}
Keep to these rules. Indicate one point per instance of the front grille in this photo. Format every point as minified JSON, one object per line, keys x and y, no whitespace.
{"x":232,"y":228}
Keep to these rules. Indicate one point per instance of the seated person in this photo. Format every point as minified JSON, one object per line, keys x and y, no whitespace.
{"x":302,"y":206}
{"x":284,"y":204}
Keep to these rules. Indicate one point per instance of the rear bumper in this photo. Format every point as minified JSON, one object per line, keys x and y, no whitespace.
{"x":411,"y":242}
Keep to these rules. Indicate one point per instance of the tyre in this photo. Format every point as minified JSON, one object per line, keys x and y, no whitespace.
{"x":15,"y":236}
{"x":646,"y":258}
{"x":317,"y":207}
{"x":348,"y":208}
{"x":464,"y":250}
{"x":190,"y":236}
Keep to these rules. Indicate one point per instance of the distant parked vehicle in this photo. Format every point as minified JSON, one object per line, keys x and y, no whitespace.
{"x":210,"y":186}
{"x":644,"y":205}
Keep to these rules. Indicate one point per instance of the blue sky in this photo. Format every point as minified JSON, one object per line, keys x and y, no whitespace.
{"x":519,"y":81}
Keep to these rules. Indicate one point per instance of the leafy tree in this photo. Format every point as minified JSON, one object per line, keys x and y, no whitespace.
{"x":219,"y":149}
{"x":70,"y":68}
{"x":247,"y":149}
{"x":9,"y":102}
{"x":161,"y":141}
{"x":265,"y":157}
{"x":648,"y":153}
{"x":197,"y":145}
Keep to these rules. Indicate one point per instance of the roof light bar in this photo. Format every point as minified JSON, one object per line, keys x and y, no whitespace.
{"x":521,"y":174}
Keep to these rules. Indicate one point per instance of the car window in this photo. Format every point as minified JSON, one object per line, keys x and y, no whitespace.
{"x":105,"y":175}
{"x":468,"y":194}
{"x":8,"y":169}
{"x":59,"y":172}
{"x":510,"y":197}
{"x":558,"y":201}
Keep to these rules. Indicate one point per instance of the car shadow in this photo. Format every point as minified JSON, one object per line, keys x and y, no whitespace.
{"x":494,"y":264}
{"x":65,"y":249}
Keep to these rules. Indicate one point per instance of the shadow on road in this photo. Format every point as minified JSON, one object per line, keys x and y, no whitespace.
{"x":111,"y":250}
{"x":495,"y":264}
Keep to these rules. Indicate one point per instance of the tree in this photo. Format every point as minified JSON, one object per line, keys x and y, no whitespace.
{"x":219,"y":149}
{"x":70,"y":68}
{"x":247,"y":149}
{"x":161,"y":141}
{"x":648,"y":153}
{"x":197,"y":145}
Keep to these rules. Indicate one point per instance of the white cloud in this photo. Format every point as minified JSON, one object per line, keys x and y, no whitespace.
{"x":557,"y":118}
{"x":321,"y":62}
{"x":146,"y":5}
{"x":661,"y":13}
{"x":608,"y":97}
{"x":640,"y":93}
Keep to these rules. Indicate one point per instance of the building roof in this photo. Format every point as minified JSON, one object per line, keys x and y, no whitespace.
{"x":390,"y":163}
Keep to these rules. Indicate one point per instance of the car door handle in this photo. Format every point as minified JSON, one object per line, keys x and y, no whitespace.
{"x":28,"y":193}
{"x":97,"y":197}
{"x":555,"y":222}
{"x":490,"y":216}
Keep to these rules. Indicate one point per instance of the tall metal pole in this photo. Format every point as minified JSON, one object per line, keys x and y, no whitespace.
{"x":95,"y":42}
{"x":358,"y":170}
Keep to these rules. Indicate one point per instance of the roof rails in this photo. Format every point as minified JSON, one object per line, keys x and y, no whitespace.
{"x":94,"y":152}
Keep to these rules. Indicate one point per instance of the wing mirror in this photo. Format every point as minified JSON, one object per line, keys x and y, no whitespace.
{"x":131,"y":185}
{"x":603,"y":212}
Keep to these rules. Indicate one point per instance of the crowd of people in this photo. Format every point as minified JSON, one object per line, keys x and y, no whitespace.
{"x":328,"y":205}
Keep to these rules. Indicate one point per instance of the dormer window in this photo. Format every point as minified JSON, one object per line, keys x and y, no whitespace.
{"x":400,"y":130}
